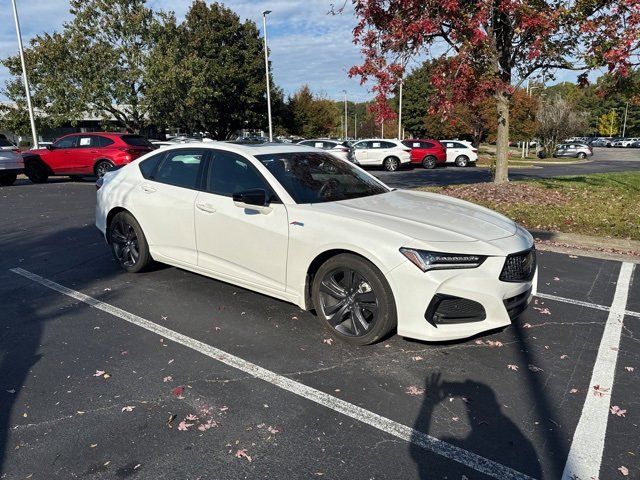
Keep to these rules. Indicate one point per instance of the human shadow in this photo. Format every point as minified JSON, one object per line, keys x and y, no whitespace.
{"x":492,"y":434}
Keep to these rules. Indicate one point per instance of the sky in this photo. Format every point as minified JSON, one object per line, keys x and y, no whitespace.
{"x":307,"y":44}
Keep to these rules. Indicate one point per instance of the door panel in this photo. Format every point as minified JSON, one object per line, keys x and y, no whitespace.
{"x":61,"y":158}
{"x":239,"y":242}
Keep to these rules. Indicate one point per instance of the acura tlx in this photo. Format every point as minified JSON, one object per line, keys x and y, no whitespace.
{"x":298,"y":224}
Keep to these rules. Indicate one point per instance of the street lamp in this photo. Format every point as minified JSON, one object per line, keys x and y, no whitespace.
{"x":346,"y":128}
{"x":266,"y":66}
{"x":25,"y":79}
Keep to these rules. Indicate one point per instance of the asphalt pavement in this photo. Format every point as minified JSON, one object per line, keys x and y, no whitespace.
{"x":604,"y":160}
{"x":171,"y":375}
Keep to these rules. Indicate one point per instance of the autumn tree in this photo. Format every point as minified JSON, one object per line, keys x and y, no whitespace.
{"x":493,"y":46}
{"x":312,"y":115}
{"x":95,"y":64}
{"x":609,"y":124}
{"x":556,"y":120}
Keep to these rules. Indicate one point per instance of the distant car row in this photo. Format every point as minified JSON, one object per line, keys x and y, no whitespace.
{"x":83,"y":154}
{"x":616,"y":142}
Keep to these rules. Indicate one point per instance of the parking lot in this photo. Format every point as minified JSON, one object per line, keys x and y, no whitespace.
{"x":168,"y":374}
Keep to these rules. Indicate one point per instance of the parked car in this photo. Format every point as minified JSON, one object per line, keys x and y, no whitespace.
{"x":577,"y":150}
{"x":461,"y":153}
{"x":625,"y":142}
{"x":426,"y":152}
{"x":601,"y":142}
{"x":11,"y":163}
{"x":390,"y":154}
{"x":635,"y":144}
{"x":298,"y":224}
{"x":338,"y":149}
{"x":82,"y":154}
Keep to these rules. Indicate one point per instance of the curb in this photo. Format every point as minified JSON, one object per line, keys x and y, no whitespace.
{"x":600,"y":247}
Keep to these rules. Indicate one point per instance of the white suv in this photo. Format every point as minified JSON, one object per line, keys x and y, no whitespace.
{"x":11,"y":163}
{"x":338,"y":149}
{"x":460,"y":152}
{"x":391,"y":154}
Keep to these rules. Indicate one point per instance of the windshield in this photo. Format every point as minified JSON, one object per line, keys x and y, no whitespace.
{"x":319,"y":177}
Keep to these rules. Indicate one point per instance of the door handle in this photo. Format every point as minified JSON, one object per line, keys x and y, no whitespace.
{"x":205,"y":207}
{"x":147,"y":189}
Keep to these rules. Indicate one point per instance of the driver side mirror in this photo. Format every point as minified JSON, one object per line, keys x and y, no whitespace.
{"x":50,"y":147}
{"x":254,"y":199}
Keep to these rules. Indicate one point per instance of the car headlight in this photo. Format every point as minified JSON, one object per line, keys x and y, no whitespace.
{"x":426,"y":260}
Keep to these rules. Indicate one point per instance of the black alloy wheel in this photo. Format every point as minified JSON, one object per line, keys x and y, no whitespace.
{"x":354,"y":299}
{"x":102,"y":167}
{"x":128,"y":243}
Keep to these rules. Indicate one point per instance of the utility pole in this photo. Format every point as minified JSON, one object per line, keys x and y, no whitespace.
{"x":355,"y":126}
{"x":25,"y":78}
{"x":400,"y":111}
{"x":266,"y":66}
{"x":624,"y":127}
{"x":346,"y":125}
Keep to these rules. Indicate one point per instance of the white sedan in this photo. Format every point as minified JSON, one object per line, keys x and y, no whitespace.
{"x":300,"y":225}
{"x":460,"y":152}
{"x":390,"y":154}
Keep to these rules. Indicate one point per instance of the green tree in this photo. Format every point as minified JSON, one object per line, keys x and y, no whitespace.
{"x":94,"y":65}
{"x":207,"y":73}
{"x":312,"y":115}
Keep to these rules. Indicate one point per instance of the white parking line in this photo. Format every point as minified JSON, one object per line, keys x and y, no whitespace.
{"x":585,"y":455}
{"x":427,"y":442}
{"x":584,"y":304}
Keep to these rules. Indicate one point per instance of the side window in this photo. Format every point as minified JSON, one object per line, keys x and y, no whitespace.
{"x":100,"y":142}
{"x":180,"y":168}
{"x":389,"y":145}
{"x":231,"y":173}
{"x":362,"y":145}
{"x":427,"y":145}
{"x":66,"y":142}
{"x":459,"y":145}
{"x":328,"y":145}
{"x":84,"y":141}
{"x":148,"y":166}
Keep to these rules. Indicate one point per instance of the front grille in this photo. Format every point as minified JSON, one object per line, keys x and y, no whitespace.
{"x":519,"y":267}
{"x":446,"y":309}
{"x":518,"y":304}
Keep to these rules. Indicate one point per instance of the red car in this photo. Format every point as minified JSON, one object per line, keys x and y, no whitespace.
{"x":426,"y":152}
{"x":82,"y":154}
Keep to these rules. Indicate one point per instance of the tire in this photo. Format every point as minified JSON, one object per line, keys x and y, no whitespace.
{"x":101,"y":167}
{"x":7,"y":179}
{"x":353,"y":300}
{"x":582,"y":155}
{"x":391,"y":164}
{"x":462,"y":161}
{"x":429,"y":162}
{"x":126,"y":238}
{"x":36,"y":172}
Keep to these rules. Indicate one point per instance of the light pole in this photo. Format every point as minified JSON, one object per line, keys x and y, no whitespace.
{"x":266,"y":66}
{"x":400,"y":111}
{"x":355,"y":126}
{"x":624,"y":125}
{"x":25,"y":79}
{"x":346,"y":127}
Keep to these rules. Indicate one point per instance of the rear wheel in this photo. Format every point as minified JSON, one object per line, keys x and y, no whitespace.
{"x":354,"y":300}
{"x":128,"y":243}
{"x":7,"y":179}
{"x":582,"y":155}
{"x":102,"y":167}
{"x":391,"y":164}
{"x":36,"y":172}
{"x":429,"y":162}
{"x":462,"y":161}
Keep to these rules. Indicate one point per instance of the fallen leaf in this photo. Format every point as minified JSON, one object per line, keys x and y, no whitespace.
{"x":93,"y":445}
{"x":526,"y":325}
{"x":137,"y":466}
{"x":623,"y":470}
{"x":616,"y":410}
{"x":170,"y":362}
{"x":562,"y":357}
{"x":107,"y":289}
{"x":164,"y":317}
{"x":513,"y":367}
{"x":573,"y":256}
{"x":455,"y":419}
{"x":328,"y":341}
{"x":497,"y":343}
{"x":171,"y":419}
{"x":128,"y":408}
{"x":416,"y":358}
{"x":12,"y":391}
{"x":533,"y":368}
{"x":178,"y":391}
{"x":294,"y":318}
{"x":167,"y":379}
{"x":573,"y":390}
{"x":99,"y":373}
{"x":413,"y":390}
{"x":106,"y":375}
{"x":224,"y":408}
{"x":273,"y":430}
{"x":243,"y":454}
{"x":191,"y":417}
{"x":556,"y":279}
{"x":184,"y":426}
{"x":599,"y":391}
{"x":629,"y":369}
{"x":479,"y":342}
{"x":543,"y":311}
{"x":207,"y":425}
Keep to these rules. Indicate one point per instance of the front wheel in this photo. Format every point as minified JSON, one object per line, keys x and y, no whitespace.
{"x":7,"y":179}
{"x":429,"y":162}
{"x":128,"y":243}
{"x":36,"y":172}
{"x":354,"y":300}
{"x":391,"y":164}
{"x":462,"y":161}
{"x":582,"y":155}
{"x":102,"y":167}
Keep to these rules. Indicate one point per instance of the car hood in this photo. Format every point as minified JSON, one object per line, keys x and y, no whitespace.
{"x":427,"y":216}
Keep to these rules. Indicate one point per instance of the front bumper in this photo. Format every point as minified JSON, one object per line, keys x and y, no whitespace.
{"x":414,"y":291}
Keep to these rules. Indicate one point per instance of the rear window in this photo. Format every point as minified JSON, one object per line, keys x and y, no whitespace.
{"x":136,"y":141}
{"x":100,"y":142}
{"x":148,"y":166}
{"x":5,"y":143}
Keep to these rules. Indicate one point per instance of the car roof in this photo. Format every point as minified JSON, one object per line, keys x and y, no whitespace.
{"x":420,"y":140}
{"x":247,"y":148}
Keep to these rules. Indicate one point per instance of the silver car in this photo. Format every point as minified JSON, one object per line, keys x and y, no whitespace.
{"x":575,"y":150}
{"x":11,"y":163}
